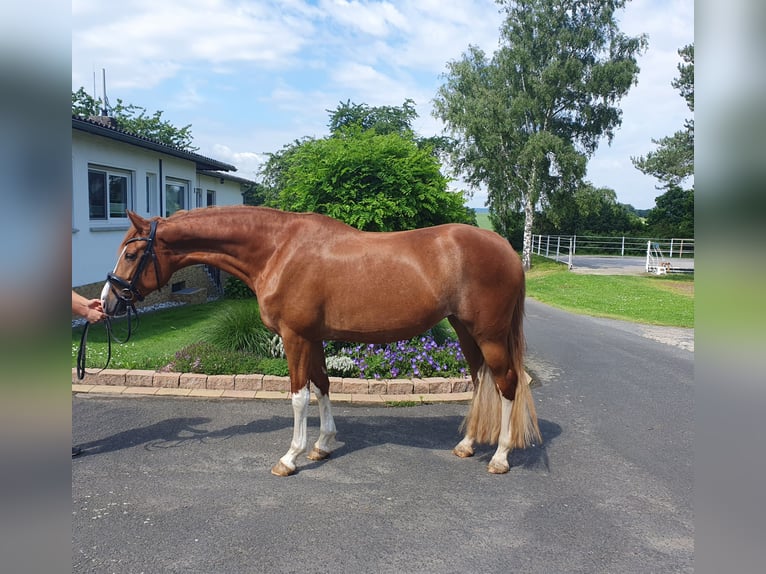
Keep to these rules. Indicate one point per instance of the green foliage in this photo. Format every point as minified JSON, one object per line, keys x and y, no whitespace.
{"x":526,"y":120}
{"x":235,"y":288}
{"x":381,"y":119}
{"x":372,"y":172}
{"x":673,"y":214}
{"x":256,"y":194}
{"x":673,"y":160}
{"x":134,"y":119}
{"x":240,"y":328}
{"x":589,"y":211}
{"x":212,"y":360}
{"x":372,"y":181}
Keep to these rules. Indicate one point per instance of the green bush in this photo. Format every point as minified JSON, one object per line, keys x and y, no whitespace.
{"x":211,"y":360}
{"x":239,"y":328}
{"x":235,"y":288}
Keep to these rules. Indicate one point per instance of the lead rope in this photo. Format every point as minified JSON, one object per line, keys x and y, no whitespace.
{"x":81,"y":352}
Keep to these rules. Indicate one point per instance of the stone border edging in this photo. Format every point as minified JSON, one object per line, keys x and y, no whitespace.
{"x":148,"y":382}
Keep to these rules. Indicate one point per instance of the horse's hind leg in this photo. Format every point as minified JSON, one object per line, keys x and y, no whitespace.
{"x":474,"y":358}
{"x":324,"y":445}
{"x":505,"y":379}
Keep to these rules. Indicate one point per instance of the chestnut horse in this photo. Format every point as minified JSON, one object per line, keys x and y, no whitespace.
{"x":318,"y":279}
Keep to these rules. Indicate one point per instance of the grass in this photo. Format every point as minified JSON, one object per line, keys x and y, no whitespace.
{"x":162,"y":335}
{"x":482,"y":220}
{"x":667,"y":300}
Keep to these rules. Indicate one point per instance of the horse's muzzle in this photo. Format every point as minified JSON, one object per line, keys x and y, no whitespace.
{"x":113,"y":304}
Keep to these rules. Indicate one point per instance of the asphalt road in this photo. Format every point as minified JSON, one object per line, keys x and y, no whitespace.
{"x":616,"y":265}
{"x":183,"y":485}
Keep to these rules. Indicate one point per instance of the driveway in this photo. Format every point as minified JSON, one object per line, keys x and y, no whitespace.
{"x":183,"y":485}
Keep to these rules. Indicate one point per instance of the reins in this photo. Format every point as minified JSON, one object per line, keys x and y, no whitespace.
{"x":81,"y":352}
{"x":127,"y":293}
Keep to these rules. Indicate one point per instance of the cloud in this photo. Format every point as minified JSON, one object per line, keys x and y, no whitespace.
{"x":371,"y":18}
{"x":153,"y":41}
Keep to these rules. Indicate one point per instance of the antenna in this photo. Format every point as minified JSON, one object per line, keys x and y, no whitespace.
{"x":105,"y":109}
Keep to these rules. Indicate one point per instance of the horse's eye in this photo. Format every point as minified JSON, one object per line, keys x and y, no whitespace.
{"x":130,"y":256}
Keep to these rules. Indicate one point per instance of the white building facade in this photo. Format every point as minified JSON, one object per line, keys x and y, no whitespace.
{"x":114,"y":170}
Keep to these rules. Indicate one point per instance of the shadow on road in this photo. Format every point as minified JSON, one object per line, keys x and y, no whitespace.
{"x":354,"y":433}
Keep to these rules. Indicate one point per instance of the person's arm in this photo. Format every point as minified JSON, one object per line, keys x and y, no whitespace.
{"x":89,"y":309}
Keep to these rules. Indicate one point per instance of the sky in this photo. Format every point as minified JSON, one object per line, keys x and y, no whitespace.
{"x":251,"y":76}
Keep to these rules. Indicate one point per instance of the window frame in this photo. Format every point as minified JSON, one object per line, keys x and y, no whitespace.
{"x":176,"y":182}
{"x":108,"y":174}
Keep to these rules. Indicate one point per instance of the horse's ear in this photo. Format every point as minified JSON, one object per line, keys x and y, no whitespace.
{"x":138,"y":222}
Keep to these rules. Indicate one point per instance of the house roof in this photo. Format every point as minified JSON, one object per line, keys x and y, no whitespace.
{"x":99,"y":128}
{"x":227,"y":176}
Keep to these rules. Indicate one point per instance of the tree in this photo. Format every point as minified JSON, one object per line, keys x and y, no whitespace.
{"x":133,"y":119}
{"x":589,"y":210}
{"x":673,"y":160}
{"x":526,"y":120}
{"x":380,"y":119}
{"x":256,"y":194}
{"x":673,"y":214}
{"x":372,"y":172}
{"x":672,"y":163}
{"x":372,"y":181}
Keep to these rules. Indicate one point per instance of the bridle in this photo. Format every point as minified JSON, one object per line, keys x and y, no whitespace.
{"x":128,"y":293}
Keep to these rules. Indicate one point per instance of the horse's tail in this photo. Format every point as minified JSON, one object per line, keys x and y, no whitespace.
{"x":524,"y":428}
{"x":484,"y":415}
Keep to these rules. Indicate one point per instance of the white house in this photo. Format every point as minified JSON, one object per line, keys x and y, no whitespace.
{"x":113,"y":170}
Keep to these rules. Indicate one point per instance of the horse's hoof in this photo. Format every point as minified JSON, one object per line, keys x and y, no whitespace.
{"x":281,"y":469}
{"x":318,"y":454}
{"x":495,"y":468}
{"x":462,"y":451}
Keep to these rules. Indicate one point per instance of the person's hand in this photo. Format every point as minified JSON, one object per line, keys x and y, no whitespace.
{"x":94,"y":311}
{"x":89,"y":309}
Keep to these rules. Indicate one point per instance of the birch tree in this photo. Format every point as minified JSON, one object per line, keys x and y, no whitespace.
{"x":526,"y":120}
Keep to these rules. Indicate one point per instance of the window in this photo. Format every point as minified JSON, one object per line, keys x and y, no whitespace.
{"x":109,"y":193}
{"x":176,"y":191}
{"x":210,"y":197}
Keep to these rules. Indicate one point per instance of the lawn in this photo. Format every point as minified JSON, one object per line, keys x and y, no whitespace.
{"x":666,"y":300}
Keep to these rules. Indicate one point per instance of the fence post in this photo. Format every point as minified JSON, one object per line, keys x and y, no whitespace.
{"x":573,"y":245}
{"x":671,"y":248}
{"x":570,"y":253}
{"x":648,"y":253}
{"x":622,"y":249}
{"x":547,"y":245}
{"x":558,"y":245}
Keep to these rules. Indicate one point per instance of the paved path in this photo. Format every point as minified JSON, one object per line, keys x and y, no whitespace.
{"x":183,"y":485}
{"x":615,"y":265}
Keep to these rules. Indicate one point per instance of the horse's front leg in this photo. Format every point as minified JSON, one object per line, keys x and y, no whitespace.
{"x":298,"y":352}
{"x":325,"y":444}
{"x":286,"y":464}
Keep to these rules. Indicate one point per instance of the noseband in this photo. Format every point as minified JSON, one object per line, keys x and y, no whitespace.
{"x":127,"y":293}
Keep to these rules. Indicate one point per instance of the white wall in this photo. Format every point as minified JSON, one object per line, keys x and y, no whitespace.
{"x":94,"y":244}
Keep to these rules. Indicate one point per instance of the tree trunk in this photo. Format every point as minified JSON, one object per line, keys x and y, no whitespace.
{"x":529,"y":218}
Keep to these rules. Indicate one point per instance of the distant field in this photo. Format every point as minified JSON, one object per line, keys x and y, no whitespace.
{"x":482,"y":218}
